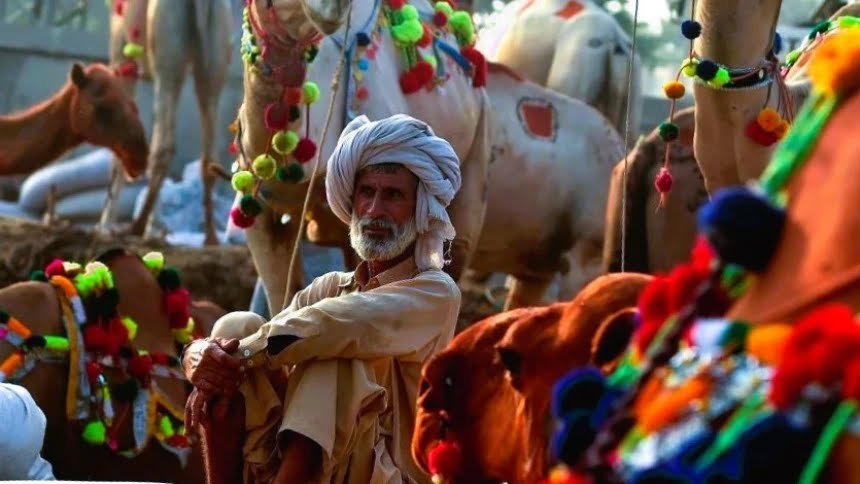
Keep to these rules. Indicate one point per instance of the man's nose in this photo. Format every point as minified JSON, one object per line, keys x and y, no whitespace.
{"x":375,"y":209}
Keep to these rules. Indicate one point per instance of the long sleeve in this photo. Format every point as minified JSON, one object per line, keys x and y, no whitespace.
{"x":400,"y":319}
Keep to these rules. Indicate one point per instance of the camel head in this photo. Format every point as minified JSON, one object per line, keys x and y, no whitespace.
{"x":592,"y":330}
{"x":104,"y":114}
{"x":326,"y":15}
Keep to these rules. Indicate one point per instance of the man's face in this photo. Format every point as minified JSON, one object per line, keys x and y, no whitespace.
{"x":383,"y":215}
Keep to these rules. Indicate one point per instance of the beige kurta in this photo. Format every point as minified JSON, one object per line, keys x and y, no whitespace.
{"x":355,"y":369}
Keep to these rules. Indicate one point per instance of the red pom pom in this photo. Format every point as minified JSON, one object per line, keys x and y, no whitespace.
{"x":140,"y":367}
{"x":159,"y":358}
{"x":55,"y":268}
{"x":409,"y":83}
{"x":93,"y":372}
{"x":683,"y":281}
{"x":851,"y":380}
{"x":479,"y":64}
{"x":276,"y":117}
{"x":117,"y":336}
{"x":95,"y":338}
{"x":702,"y":255}
{"x":232,"y":148}
{"x":396,"y":4}
{"x":663,"y":181}
{"x":127,"y":69}
{"x":176,"y":305}
{"x":305,"y":150}
{"x":653,"y":311}
{"x":423,"y":72}
{"x":759,"y":135}
{"x":440,"y":19}
{"x":293,"y":96}
{"x":445,"y":459}
{"x":178,"y":441}
{"x":119,"y":7}
{"x":427,"y":38}
{"x":361,"y":93}
{"x":240,"y":219}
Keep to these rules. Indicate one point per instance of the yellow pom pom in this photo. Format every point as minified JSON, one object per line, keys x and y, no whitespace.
{"x":243,"y":181}
{"x":132,"y":50}
{"x":835,"y":63}
{"x":689,"y":67}
{"x":768,"y":119}
{"x":131,"y":326}
{"x":310,"y":92}
{"x":284,"y":142}
{"x":154,"y":261}
{"x":444,"y":7}
{"x":674,"y":90}
{"x":431,"y":59}
{"x":265,"y":166}
{"x":94,"y":433}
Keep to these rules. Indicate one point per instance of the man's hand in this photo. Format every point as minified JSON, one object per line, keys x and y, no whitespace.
{"x":210,"y":368}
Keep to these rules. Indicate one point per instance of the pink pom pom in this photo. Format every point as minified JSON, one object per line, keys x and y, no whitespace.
{"x":305,"y":150}
{"x":276,"y":117}
{"x":55,"y":268}
{"x":663,"y":182}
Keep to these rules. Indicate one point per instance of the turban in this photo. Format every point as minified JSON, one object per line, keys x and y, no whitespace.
{"x":409,"y":142}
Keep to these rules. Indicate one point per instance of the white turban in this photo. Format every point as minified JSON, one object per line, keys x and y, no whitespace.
{"x":407,"y":141}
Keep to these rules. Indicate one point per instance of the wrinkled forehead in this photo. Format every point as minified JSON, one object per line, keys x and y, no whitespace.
{"x":387,"y":174}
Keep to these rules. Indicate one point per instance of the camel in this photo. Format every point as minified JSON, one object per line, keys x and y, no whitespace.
{"x":147,"y":295}
{"x":655,"y":240}
{"x":161,"y":38}
{"x":573,"y":47}
{"x":519,"y":133}
{"x":91,"y":107}
{"x":501,"y":369}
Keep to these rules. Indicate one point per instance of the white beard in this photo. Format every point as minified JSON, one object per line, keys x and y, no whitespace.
{"x":370,"y":248}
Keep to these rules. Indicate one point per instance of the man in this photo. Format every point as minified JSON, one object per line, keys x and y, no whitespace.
{"x":353,"y":343}
{"x":23,"y":435}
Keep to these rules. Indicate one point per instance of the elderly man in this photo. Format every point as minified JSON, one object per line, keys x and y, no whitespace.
{"x":346,"y":355}
{"x":23,"y":434}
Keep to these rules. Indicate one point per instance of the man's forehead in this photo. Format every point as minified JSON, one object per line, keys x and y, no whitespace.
{"x":386,"y":173}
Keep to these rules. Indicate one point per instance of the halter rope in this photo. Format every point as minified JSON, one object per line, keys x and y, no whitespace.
{"x":626,"y":137}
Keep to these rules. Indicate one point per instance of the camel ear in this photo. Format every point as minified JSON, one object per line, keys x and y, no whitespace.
{"x":612,"y":337}
{"x":78,"y":76}
{"x":512,"y":361}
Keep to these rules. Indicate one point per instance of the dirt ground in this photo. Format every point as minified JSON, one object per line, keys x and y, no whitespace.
{"x":222,"y":274}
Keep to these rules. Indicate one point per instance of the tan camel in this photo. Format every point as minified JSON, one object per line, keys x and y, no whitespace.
{"x":573,"y":47}
{"x":161,"y":38}
{"x":654,"y":240}
{"x":76,"y":444}
{"x":526,"y":125}
{"x":90,"y":107}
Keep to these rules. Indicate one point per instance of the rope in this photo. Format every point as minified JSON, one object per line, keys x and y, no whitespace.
{"x":335,"y":85}
{"x":626,"y":138}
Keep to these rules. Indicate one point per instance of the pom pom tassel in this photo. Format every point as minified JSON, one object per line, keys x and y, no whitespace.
{"x":444,"y":461}
{"x":479,"y":63}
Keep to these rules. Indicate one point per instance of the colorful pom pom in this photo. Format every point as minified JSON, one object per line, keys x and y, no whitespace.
{"x":290,"y":173}
{"x":154,"y":261}
{"x":239,"y":219}
{"x":674,"y":89}
{"x":250,"y":205}
{"x":663,"y":181}
{"x":265,"y":166}
{"x":55,"y":268}
{"x":305,"y":150}
{"x":94,"y":433}
{"x":691,"y":29}
{"x":275,"y":117}
{"x":132,"y":50}
{"x":669,"y":131}
{"x":706,"y":69}
{"x":362,"y":39}
{"x":768,"y":119}
{"x":310,"y":92}
{"x":242,"y":181}
{"x":284,"y":142}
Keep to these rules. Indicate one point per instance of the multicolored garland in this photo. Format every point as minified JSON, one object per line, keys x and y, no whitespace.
{"x":133,"y":49}
{"x":422,"y":70}
{"x":687,"y":367}
{"x":93,"y":320}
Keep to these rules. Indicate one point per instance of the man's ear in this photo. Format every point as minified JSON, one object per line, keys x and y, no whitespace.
{"x":612,"y":338}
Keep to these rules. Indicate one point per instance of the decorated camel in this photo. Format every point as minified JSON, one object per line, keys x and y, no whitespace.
{"x":502,"y":369}
{"x":557,"y":149}
{"x":91,"y":107}
{"x":573,"y":47}
{"x":746,"y":362}
{"x":654,"y":240}
{"x":160,"y":38}
{"x":97,"y":346}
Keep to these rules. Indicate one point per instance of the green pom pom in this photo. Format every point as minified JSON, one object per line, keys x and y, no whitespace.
{"x":265,"y":166}
{"x":461,"y":25}
{"x":154,"y":261}
{"x":408,"y":33}
{"x":38,"y":275}
{"x":444,"y":7}
{"x":792,"y":56}
{"x":669,"y":131}
{"x":689,"y":68}
{"x":284,"y":142}
{"x":310,"y":92}
{"x":291,"y":173}
{"x":721,"y":78}
{"x":250,"y":206}
{"x":130,"y":326}
{"x":242,"y":181}
{"x":132,"y":50}
{"x":409,"y":12}
{"x":847,"y":21}
{"x":166,"y":427}
{"x":94,"y":433}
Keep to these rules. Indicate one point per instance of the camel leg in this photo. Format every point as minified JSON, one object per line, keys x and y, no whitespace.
{"x":271,"y":246}
{"x":585,"y":264}
{"x":169,"y":36}
{"x":526,"y":292}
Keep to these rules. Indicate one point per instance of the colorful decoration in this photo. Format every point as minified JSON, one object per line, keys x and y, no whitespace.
{"x":538,"y":117}
{"x":133,"y":50}
{"x":444,"y":461}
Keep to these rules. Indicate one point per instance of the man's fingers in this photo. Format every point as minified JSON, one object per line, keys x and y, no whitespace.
{"x":214,"y":355}
{"x":230,"y":345}
{"x":193,"y":410}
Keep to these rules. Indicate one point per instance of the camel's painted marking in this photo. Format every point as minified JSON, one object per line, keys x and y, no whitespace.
{"x":538,"y":118}
{"x":572,"y":9}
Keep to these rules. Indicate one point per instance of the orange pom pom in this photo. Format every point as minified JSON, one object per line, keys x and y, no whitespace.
{"x":769,"y":119}
{"x":835,"y":63}
{"x":767,"y":342}
{"x":674,"y":89}
{"x":782,"y":129}
{"x":668,"y":406}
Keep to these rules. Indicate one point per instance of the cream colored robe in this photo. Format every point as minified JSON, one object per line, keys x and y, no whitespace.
{"x":354,"y":370}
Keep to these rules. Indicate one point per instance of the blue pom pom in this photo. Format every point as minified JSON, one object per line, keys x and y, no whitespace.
{"x":580,"y":389}
{"x":777,"y":43}
{"x":574,"y":437}
{"x":363,"y":64}
{"x":691,"y":29}
{"x":604,"y":406}
{"x":707,"y":69}
{"x":743,"y":227}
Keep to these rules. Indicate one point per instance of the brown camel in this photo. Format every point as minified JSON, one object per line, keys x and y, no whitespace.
{"x":44,"y":309}
{"x":488,"y":391}
{"x":655,"y":240}
{"x":90,"y":107}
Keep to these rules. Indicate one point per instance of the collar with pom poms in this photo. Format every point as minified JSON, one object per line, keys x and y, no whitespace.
{"x":286,"y":151}
{"x":444,"y":461}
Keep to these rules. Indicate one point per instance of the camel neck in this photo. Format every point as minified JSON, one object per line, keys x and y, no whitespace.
{"x":736,"y":33}
{"x":33,"y":138}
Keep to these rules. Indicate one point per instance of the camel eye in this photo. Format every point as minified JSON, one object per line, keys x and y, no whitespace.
{"x":448,"y":382}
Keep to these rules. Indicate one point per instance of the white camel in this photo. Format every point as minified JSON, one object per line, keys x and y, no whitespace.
{"x":549,"y":157}
{"x":573,"y":47}
{"x":158,"y":39}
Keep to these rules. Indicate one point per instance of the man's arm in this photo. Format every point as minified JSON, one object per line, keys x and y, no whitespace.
{"x":395,"y":320}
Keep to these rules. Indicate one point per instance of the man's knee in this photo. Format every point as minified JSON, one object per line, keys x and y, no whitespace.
{"x":237,"y":325}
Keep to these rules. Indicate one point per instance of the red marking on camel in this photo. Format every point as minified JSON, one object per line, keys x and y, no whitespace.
{"x":495,"y":67}
{"x":526,"y":6}
{"x":572,"y":9}
{"x":538,"y":118}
